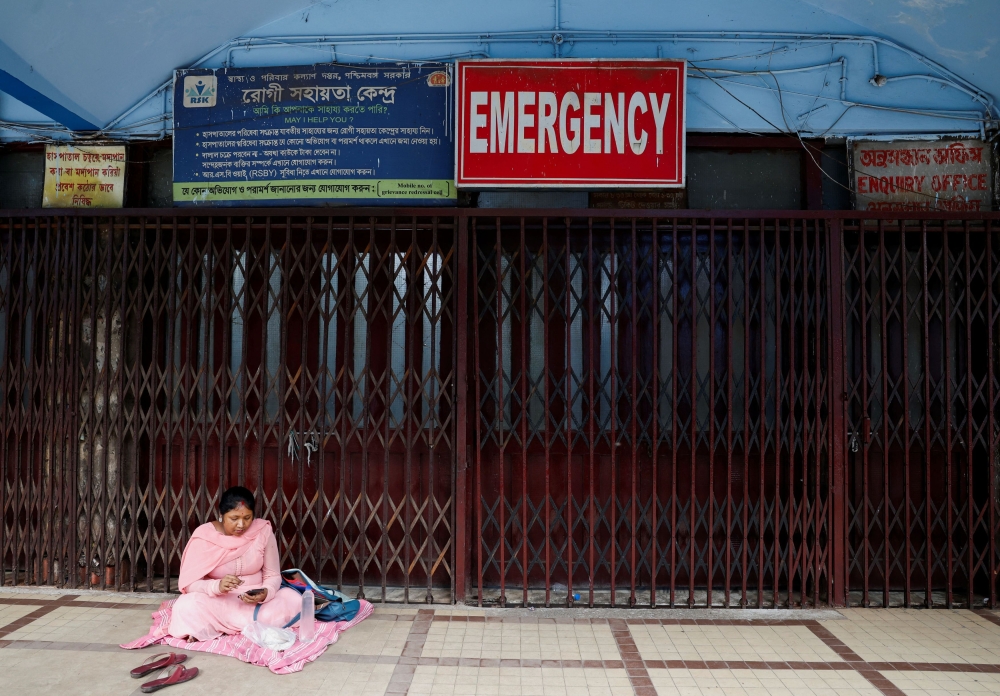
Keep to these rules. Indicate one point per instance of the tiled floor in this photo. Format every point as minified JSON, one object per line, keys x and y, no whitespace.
{"x":67,"y":644}
{"x":749,"y":643}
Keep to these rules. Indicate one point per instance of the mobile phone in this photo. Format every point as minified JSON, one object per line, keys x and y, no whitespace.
{"x":254,"y":593}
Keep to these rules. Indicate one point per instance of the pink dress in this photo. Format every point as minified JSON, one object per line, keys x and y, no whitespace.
{"x":202,"y":611}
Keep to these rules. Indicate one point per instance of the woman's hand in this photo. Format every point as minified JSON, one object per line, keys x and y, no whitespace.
{"x":256,"y":598}
{"x":230,"y":582}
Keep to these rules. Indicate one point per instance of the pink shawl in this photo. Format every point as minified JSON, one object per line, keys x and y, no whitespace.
{"x":208,"y":549}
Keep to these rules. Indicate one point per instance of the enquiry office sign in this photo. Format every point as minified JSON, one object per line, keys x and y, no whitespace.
{"x":570,"y":123}
{"x":316,"y":134}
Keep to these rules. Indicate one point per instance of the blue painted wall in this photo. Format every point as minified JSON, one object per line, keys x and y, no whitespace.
{"x":765,"y":66}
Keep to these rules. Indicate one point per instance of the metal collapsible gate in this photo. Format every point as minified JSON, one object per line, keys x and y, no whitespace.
{"x":155,"y":361}
{"x":652,"y":411}
{"x":510,"y":407}
{"x":921,"y":302}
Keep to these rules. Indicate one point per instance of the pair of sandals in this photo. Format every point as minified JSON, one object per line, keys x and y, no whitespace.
{"x":164,"y":661}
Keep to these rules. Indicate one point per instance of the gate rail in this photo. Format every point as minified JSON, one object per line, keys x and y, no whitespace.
{"x":681,"y":433}
{"x":153,"y":360}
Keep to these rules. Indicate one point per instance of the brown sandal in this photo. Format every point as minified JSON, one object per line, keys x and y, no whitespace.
{"x":156,"y":662}
{"x":180,"y":675}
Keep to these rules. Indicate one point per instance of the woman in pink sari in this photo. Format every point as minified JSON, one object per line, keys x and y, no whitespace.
{"x":229,"y":567}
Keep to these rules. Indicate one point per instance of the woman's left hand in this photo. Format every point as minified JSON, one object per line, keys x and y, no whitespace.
{"x":255,"y":599}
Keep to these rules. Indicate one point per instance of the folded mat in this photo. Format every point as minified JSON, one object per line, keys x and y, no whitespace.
{"x":242,"y":648}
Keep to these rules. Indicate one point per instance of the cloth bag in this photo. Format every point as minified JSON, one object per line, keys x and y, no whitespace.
{"x":331,"y":605}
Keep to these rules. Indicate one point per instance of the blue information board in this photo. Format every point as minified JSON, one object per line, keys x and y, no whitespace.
{"x":322,"y":134}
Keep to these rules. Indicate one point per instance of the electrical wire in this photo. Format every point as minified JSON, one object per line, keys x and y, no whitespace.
{"x":806,"y":147}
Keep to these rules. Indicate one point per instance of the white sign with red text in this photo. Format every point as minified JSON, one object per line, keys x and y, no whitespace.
{"x":911,"y":175}
{"x":570,"y":123}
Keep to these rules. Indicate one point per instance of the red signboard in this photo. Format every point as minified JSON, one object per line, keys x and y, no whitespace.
{"x":570,"y":123}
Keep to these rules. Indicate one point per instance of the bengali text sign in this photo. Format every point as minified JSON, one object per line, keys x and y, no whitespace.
{"x":312,"y":134}
{"x":912,"y":175}
{"x":84,"y":176}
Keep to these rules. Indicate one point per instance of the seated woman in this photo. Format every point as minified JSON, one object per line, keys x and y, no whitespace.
{"x":229,"y":566}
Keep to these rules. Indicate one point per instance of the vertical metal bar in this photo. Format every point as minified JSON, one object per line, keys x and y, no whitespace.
{"x":184,"y":365}
{"x":674,"y":243}
{"x":946,"y":251}
{"x":278,"y":261}
{"x":655,"y":440}
{"x":74,"y":372}
{"x":36,"y":431}
{"x":453,"y":379}
{"x":777,"y":413}
{"x":991,"y":324}
{"x":366,"y":508}
{"x":711,"y":411}
{"x":546,"y":401}
{"x":907,"y":576}
{"x":693,"y":504}
{"x":49,"y":419}
{"x":613,"y":415}
{"x":243,"y":412}
{"x":304,"y":380}
{"x":745,"y":391}
{"x":123,"y":308}
{"x":17,"y":378}
{"x":522,"y":253}
{"x":570,"y":425}
{"x":409,"y":365}
{"x":460,"y":297}
{"x":6,"y":259}
{"x":205,"y":360}
{"x":818,"y":370}
{"x":407,"y":501}
{"x":865,"y":422}
{"x":885,"y":417}
{"x":33,"y":430}
{"x":925,"y":368}
{"x":802,"y":505}
{"x":969,"y":442}
{"x":477,"y":380}
{"x":154,"y":389}
{"x":431,"y":455}
{"x":502,"y":435}
{"x":168,"y":439}
{"x":590,"y":404}
{"x":729,"y":409}
{"x":791,"y":512}
{"x":347,"y":391}
{"x":109,"y":267}
{"x":634,"y":398}
{"x":762,"y":391}
{"x":329,"y":269}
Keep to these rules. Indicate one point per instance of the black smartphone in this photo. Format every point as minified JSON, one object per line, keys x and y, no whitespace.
{"x":254,"y":593}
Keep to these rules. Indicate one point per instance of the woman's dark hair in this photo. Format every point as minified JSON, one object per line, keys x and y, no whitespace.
{"x":232,"y":498}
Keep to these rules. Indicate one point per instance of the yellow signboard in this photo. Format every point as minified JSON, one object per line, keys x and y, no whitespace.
{"x":84,"y":176}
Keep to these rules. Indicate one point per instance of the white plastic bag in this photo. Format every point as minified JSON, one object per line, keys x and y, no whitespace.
{"x":270,"y":637}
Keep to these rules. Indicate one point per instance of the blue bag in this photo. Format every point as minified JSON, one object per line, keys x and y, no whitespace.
{"x":330,"y":604}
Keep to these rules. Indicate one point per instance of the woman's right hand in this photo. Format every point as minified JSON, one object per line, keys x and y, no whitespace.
{"x":230,"y":582}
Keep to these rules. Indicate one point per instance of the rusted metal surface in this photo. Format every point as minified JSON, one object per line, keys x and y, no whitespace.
{"x":155,"y":361}
{"x":652,"y":411}
{"x":921,"y":330}
{"x":655,"y":408}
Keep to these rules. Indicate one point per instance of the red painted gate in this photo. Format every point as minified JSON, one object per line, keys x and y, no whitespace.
{"x":510,"y":407}
{"x":652,"y":411}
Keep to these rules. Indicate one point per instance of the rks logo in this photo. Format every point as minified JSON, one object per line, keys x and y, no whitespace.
{"x":199,"y":90}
